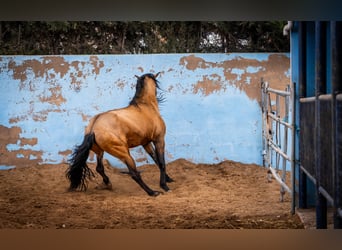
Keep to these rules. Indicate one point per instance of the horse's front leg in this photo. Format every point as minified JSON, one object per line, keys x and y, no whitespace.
{"x":159,"y":151}
{"x":151,"y":151}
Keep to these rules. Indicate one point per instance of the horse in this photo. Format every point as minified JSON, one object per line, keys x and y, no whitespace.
{"x":116,"y":131}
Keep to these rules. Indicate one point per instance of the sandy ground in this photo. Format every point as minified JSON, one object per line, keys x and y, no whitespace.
{"x":225,"y":195}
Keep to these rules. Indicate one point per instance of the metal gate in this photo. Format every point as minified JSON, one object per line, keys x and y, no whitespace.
{"x":278,"y":136}
{"x":318,"y":72}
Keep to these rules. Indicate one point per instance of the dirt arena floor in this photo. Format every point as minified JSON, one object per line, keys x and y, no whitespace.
{"x":227,"y":195}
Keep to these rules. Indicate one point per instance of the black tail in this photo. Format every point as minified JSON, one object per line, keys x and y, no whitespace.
{"x":78,"y":171}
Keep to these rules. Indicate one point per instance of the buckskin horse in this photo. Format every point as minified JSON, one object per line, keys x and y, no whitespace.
{"x":118,"y":130}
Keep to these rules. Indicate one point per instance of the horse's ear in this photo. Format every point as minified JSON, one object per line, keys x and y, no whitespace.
{"x":137,"y":76}
{"x":156,"y":75}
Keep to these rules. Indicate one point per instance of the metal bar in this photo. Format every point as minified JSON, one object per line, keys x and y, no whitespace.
{"x":336,"y":86}
{"x":280,"y":121}
{"x":320,"y":76}
{"x":338,"y":161}
{"x":307,"y":99}
{"x":282,"y":191}
{"x":293,"y":137}
{"x":269,"y":127}
{"x":276,"y":176}
{"x":283,"y":177}
{"x":339,"y":212}
{"x":277,"y":124}
{"x":302,"y":93}
{"x":278,"y":150}
{"x":263,"y":122}
{"x":325,"y":97}
{"x":326,"y":195}
{"x":278,"y":92}
{"x":302,"y":59}
{"x":313,"y":179}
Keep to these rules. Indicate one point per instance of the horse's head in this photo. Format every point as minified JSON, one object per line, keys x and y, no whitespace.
{"x":146,"y":88}
{"x":144,"y":79}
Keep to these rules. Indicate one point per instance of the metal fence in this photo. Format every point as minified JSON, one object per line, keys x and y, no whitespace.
{"x":278,"y":137}
{"x":320,"y":117}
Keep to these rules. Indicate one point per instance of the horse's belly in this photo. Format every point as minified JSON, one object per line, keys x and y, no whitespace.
{"x":134,"y":142}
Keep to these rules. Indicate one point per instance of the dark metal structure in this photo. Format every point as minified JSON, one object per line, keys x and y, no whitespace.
{"x":316,"y":66}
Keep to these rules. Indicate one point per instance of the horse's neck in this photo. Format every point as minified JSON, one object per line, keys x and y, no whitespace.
{"x":149,"y":102}
{"x":149,"y":97}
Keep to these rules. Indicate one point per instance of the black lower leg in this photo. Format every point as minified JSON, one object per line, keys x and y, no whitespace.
{"x":168,"y":178}
{"x":137,"y":178}
{"x":151,"y":151}
{"x":100,"y":170}
{"x":161,"y":164}
{"x":163,"y":180}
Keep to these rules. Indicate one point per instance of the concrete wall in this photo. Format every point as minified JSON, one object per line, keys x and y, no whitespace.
{"x":212,"y":109}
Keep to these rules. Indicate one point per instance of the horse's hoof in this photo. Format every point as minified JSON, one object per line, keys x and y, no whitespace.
{"x":155,"y":193}
{"x":104,"y":186}
{"x":72,"y":189}
{"x":165,"y":188}
{"x":169,"y":179}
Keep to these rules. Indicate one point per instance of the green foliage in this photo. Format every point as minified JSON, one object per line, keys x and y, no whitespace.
{"x":90,"y":37}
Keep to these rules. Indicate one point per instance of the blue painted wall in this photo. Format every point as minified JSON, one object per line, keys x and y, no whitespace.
{"x":212,"y":109}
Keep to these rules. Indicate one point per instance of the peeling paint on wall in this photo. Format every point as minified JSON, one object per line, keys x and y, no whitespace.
{"x":243,"y":73}
{"x":212,"y":108}
{"x":14,"y":149}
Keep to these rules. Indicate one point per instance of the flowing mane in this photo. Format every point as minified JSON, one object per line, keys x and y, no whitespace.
{"x":140,"y":86}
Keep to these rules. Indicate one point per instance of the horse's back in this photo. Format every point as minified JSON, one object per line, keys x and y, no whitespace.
{"x":130,"y":125}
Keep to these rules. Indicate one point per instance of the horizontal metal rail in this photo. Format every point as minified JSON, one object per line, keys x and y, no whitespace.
{"x":279,"y":120}
{"x":307,"y":99}
{"x":281,"y":182}
{"x":278,"y":150}
{"x":279,"y":92}
{"x":326,"y":195}
{"x":313,"y":179}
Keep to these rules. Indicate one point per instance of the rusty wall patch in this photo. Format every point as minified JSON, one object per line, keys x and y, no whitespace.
{"x":55,"y":98}
{"x":272,"y":70}
{"x":65,"y":154}
{"x":192,"y":62}
{"x":94,"y":60}
{"x":17,"y":157}
{"x":39,"y":68}
{"x":207,"y":85}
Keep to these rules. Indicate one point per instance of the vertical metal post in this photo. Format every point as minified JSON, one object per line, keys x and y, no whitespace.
{"x":320,"y":83}
{"x":269,"y":127}
{"x":336,"y":78}
{"x":302,"y":178}
{"x":285,"y":141}
{"x":293,"y":150}
{"x":264,"y":122}
{"x":277,"y":123}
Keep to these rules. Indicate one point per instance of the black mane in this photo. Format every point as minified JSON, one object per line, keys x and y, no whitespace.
{"x":139,"y":87}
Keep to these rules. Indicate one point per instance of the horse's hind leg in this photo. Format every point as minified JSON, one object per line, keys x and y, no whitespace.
{"x":100,"y":169}
{"x":150,"y":150}
{"x":122,"y":153}
{"x":136,"y":176}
